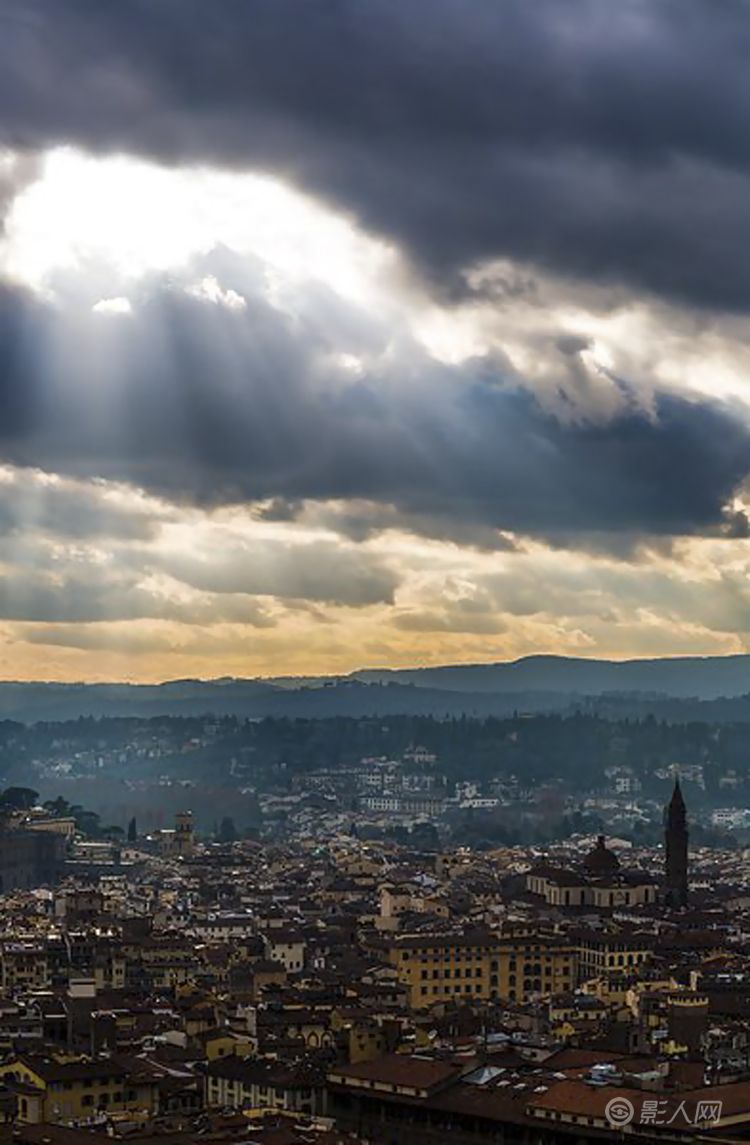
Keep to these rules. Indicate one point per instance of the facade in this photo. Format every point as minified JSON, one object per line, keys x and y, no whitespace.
{"x":480,"y":967}
{"x":23,"y":966}
{"x":286,"y":948}
{"x":30,"y":858}
{"x":51,"y":1090}
{"x":238,"y":1083}
{"x":179,"y":842}
{"x":611,"y":955}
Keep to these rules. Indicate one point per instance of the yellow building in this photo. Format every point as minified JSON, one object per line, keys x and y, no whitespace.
{"x":55,"y":1090}
{"x":223,"y":1042}
{"x":480,"y":966}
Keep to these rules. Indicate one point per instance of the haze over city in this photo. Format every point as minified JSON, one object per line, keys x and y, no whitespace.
{"x":342,"y":335}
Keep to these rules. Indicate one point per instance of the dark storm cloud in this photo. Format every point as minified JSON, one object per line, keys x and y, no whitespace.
{"x":608,"y":140}
{"x":195,"y":400}
{"x":325,"y":572}
{"x":94,"y":594}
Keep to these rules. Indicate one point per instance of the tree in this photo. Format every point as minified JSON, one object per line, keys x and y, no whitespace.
{"x":18,"y":798}
{"x":132,"y":831}
{"x":88,"y":823}
{"x":112,"y":832}
{"x":58,"y":806}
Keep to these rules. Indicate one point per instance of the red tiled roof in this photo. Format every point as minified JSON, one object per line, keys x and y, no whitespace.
{"x":398,"y":1069}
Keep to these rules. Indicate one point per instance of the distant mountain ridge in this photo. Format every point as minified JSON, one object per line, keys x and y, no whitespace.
{"x":531,"y":684}
{"x":703,"y":677}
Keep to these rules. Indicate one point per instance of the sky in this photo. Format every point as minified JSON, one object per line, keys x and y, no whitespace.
{"x":339,"y":334}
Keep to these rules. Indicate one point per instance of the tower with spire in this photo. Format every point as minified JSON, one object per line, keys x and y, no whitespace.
{"x":676,"y":846}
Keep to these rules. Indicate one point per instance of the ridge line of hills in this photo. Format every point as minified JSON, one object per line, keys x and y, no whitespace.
{"x":677,"y":688}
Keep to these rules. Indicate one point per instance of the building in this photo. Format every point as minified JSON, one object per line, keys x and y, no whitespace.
{"x":480,"y":966}
{"x":179,"y":842}
{"x":238,"y":1083}
{"x":50,"y":1089}
{"x":23,"y":966}
{"x":676,"y":847}
{"x":598,"y":882}
{"x":286,"y":947}
{"x":30,"y":858}
{"x":603,"y":955}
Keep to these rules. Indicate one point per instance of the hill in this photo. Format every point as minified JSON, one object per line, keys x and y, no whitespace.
{"x":703,"y":677}
{"x":679,"y":689}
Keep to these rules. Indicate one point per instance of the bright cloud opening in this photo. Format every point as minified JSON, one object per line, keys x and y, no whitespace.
{"x":138,"y":218}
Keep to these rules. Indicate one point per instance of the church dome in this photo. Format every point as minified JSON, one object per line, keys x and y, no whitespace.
{"x":601,"y":862}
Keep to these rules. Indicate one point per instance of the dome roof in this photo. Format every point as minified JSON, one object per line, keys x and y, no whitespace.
{"x":601,"y":861}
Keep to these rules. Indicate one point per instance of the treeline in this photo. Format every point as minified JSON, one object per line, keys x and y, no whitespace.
{"x":576,"y":748}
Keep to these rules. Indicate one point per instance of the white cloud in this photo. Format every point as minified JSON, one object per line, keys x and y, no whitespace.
{"x":210,"y":289}
{"x":112,"y":306}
